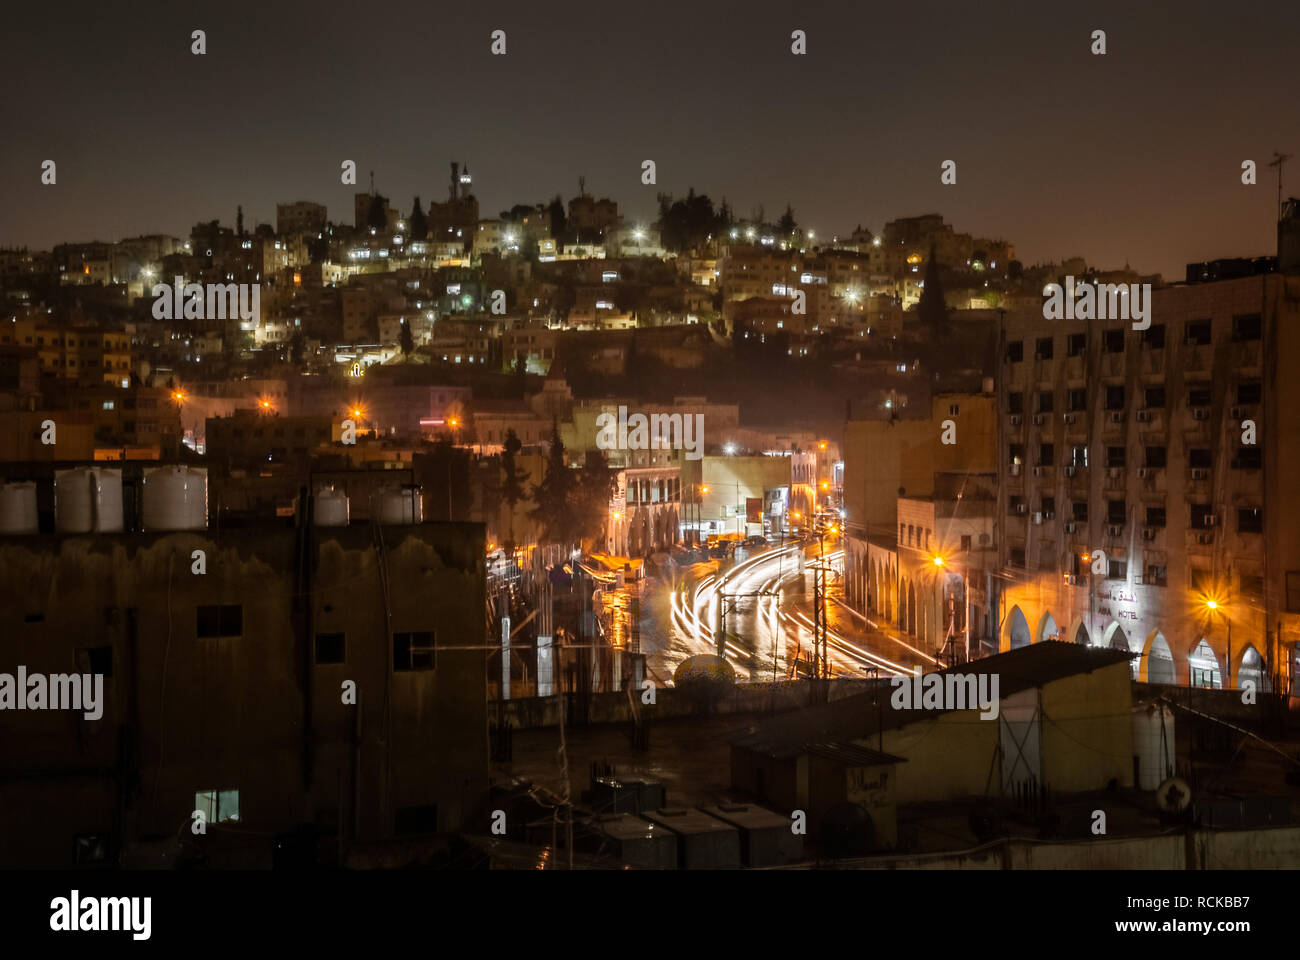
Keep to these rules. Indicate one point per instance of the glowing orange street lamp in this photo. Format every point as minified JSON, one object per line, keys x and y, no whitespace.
{"x":938,"y":561}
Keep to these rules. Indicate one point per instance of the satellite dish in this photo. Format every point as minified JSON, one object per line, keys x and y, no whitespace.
{"x":1173,"y":796}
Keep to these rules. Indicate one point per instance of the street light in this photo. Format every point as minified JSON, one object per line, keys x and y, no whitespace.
{"x":1212,"y":605}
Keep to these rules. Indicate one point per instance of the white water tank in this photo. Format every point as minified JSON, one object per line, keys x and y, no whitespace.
{"x":88,"y":500}
{"x":396,"y":505}
{"x":331,"y":508}
{"x":176,"y":498}
{"x":1153,"y":744}
{"x":18,"y":508}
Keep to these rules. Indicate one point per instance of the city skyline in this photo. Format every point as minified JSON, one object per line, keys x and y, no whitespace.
{"x":721,"y":106}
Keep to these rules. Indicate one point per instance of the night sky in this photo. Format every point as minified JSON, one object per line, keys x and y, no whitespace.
{"x":1133,"y":156}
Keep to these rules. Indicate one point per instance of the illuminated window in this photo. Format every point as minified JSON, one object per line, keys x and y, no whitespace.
{"x":218,"y":806}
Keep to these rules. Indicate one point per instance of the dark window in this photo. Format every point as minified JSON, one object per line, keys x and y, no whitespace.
{"x":1200,"y":515}
{"x":1116,"y":456}
{"x":1246,"y":327}
{"x":965,"y":541}
{"x":1199,"y":458}
{"x":1015,"y":351}
{"x":1046,"y":454}
{"x":1077,"y":400}
{"x":1018,"y":557}
{"x":415,"y":820}
{"x":1112,"y":341}
{"x":1014,"y":503}
{"x":1155,"y":457}
{"x":95,"y":660}
{"x":1153,"y":337}
{"x":1043,"y":348}
{"x":1155,"y":516}
{"x":1075,"y":344}
{"x":1047,"y":505}
{"x":1116,"y":569}
{"x":1198,"y":397}
{"x":1248,"y":458}
{"x":1016,"y":402}
{"x":1153,"y":398}
{"x":1080,"y":509}
{"x":1079,"y":456}
{"x":1293,"y":591}
{"x":330,"y":648}
{"x":1197,"y":332}
{"x":1115,"y":397}
{"x":1045,"y":400}
{"x":1250,"y":520}
{"x":1157,"y":574}
{"x":1116,"y":511}
{"x":414,"y":651}
{"x":1248,"y":392}
{"x":219,"y":620}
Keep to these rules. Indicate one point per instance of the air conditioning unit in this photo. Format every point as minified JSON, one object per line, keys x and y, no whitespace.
{"x":1069,"y":528}
{"x":1038,"y":517}
{"x":1200,"y":413}
{"x":1015,"y":420}
{"x":1143,"y":473}
{"x":1211,"y":519}
{"x":1015,"y":470}
{"x":1205,"y":538}
{"x":1071,"y":579}
{"x":1144,"y":416}
{"x":1070,"y":417}
{"x":1117,"y":416}
{"x":1149,"y":533}
{"x":1048,"y":514}
{"x":1115,"y":529}
{"x":1200,"y":473}
{"x":1022,"y":508}
{"x":1038,"y":471}
{"x":1040,"y":419}
{"x":1237,"y":413}
{"x":1115,"y":472}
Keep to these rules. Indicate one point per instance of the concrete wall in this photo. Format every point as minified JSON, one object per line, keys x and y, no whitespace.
{"x":251,"y":712}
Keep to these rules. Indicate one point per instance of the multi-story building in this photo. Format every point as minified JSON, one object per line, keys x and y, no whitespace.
{"x":309,"y":677}
{"x":1148,"y":482}
{"x":302,"y":216}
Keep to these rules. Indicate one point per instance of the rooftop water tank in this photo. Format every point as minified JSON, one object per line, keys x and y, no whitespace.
{"x":176,"y":498}
{"x":18,"y":508}
{"x":88,"y":500}
{"x":331,"y":508}
{"x":396,"y":505}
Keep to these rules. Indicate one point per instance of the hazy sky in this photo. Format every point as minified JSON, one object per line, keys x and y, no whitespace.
{"x":1135,"y":155}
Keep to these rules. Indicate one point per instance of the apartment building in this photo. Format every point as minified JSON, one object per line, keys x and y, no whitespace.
{"x":1148,"y":482}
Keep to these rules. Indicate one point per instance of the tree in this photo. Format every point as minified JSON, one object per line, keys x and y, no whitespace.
{"x":407,"y":340}
{"x":510,"y":490}
{"x":787,"y":225}
{"x":596,"y":484}
{"x":417,"y":222}
{"x":932,"y":312}
{"x":559,"y":218}
{"x":554,"y":496}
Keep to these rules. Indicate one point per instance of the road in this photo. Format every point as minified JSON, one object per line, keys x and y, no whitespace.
{"x":768,"y":601}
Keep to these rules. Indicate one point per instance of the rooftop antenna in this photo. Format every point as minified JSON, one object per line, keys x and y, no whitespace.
{"x":1278,"y":160}
{"x":582,"y":186}
{"x":372,"y":183}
